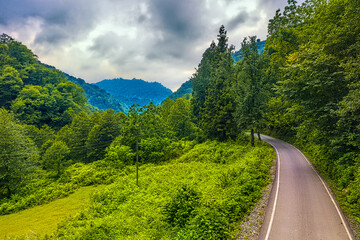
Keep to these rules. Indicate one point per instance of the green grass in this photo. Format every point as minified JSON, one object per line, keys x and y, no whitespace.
{"x":42,"y":220}
{"x":227,"y":179}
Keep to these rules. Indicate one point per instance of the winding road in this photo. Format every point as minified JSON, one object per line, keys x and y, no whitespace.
{"x":300,"y":205}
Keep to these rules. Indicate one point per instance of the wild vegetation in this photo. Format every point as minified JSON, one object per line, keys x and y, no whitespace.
{"x":197,"y":196}
{"x":197,"y":172}
{"x":304,"y":88}
{"x":314,"y":55}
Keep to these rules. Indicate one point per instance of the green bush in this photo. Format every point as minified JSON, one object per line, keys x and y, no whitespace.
{"x":210,"y":223}
{"x":181,"y":207}
{"x":154,"y":150}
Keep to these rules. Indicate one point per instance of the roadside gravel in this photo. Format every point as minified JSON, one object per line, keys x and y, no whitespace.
{"x":250,"y":227}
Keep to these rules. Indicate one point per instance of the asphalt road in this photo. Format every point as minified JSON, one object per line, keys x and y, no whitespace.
{"x":301,"y":206}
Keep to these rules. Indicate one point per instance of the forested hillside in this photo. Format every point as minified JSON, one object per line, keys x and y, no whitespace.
{"x":98,"y":97}
{"x":135,"y":91}
{"x":186,"y":88}
{"x":35,"y":94}
{"x":95,"y":95}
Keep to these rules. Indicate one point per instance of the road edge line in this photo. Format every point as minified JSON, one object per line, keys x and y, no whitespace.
{"x":276,"y":194}
{"x":330,"y":195}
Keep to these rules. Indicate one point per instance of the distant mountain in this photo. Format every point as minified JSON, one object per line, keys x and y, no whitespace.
{"x":184,"y":90}
{"x":261,"y":48}
{"x":98,"y":97}
{"x":135,"y":91}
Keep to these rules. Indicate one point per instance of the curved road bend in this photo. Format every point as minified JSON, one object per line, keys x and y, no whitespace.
{"x":300,"y":206}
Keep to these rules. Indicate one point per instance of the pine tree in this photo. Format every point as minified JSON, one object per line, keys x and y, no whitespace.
{"x":213,"y":103}
{"x":250,"y":91}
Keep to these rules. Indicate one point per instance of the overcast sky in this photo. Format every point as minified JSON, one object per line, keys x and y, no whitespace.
{"x":155,"y":40}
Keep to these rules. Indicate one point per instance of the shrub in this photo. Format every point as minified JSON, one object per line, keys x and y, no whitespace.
{"x":181,"y":207}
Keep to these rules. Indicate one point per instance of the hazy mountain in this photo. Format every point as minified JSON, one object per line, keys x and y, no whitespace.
{"x":98,"y":97}
{"x":135,"y":91}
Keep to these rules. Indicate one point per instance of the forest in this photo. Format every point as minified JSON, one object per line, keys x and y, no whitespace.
{"x":186,"y":169}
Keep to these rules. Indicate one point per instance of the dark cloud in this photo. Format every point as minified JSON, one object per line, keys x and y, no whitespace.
{"x":106,"y":44}
{"x":241,"y":18}
{"x":147,"y":37}
{"x":180,"y":18}
{"x":61,"y":20}
{"x":178,"y":27}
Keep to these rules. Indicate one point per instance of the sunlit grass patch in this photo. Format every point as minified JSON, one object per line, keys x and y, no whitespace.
{"x":42,"y":220}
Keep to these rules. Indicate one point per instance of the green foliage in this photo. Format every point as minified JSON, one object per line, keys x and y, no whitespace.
{"x":177,"y":117}
{"x":14,"y":53}
{"x":38,"y":105}
{"x":105,"y":130}
{"x":154,"y":150}
{"x":185,"y":90}
{"x":119,"y":155}
{"x":10,"y":85}
{"x":17,"y":156}
{"x":251,"y":91}
{"x":212,"y":103}
{"x":181,"y":207}
{"x":37,"y":95}
{"x":55,"y":157}
{"x":182,"y":199}
{"x":314,"y":55}
{"x":89,"y":135}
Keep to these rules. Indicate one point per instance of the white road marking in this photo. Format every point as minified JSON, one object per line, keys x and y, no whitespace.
{"x":276,"y":195}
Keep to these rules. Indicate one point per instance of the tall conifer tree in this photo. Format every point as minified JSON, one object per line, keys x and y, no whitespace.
{"x":213,"y":103}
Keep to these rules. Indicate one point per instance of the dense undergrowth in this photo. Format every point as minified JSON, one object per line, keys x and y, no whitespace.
{"x":200,"y":195}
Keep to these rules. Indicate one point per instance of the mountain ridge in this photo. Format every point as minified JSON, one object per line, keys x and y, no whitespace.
{"x":96,"y":96}
{"x":135,"y":91}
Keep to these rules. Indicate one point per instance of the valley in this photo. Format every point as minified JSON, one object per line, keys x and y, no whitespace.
{"x":130,"y":159}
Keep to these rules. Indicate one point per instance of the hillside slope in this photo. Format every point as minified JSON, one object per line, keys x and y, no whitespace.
{"x":135,"y":91}
{"x":98,"y":97}
{"x":95,"y":95}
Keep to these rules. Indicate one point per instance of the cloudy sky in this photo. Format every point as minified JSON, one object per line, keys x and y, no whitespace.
{"x":155,"y":40}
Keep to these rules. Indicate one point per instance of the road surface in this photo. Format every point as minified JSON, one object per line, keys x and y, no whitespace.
{"x":301,"y":206}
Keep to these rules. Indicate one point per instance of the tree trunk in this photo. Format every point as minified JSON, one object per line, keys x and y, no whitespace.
{"x":252,"y":138}
{"x":8,"y":193}
{"x":259,"y":135}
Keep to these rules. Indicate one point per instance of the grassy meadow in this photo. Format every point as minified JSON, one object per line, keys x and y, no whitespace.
{"x":43,"y":220}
